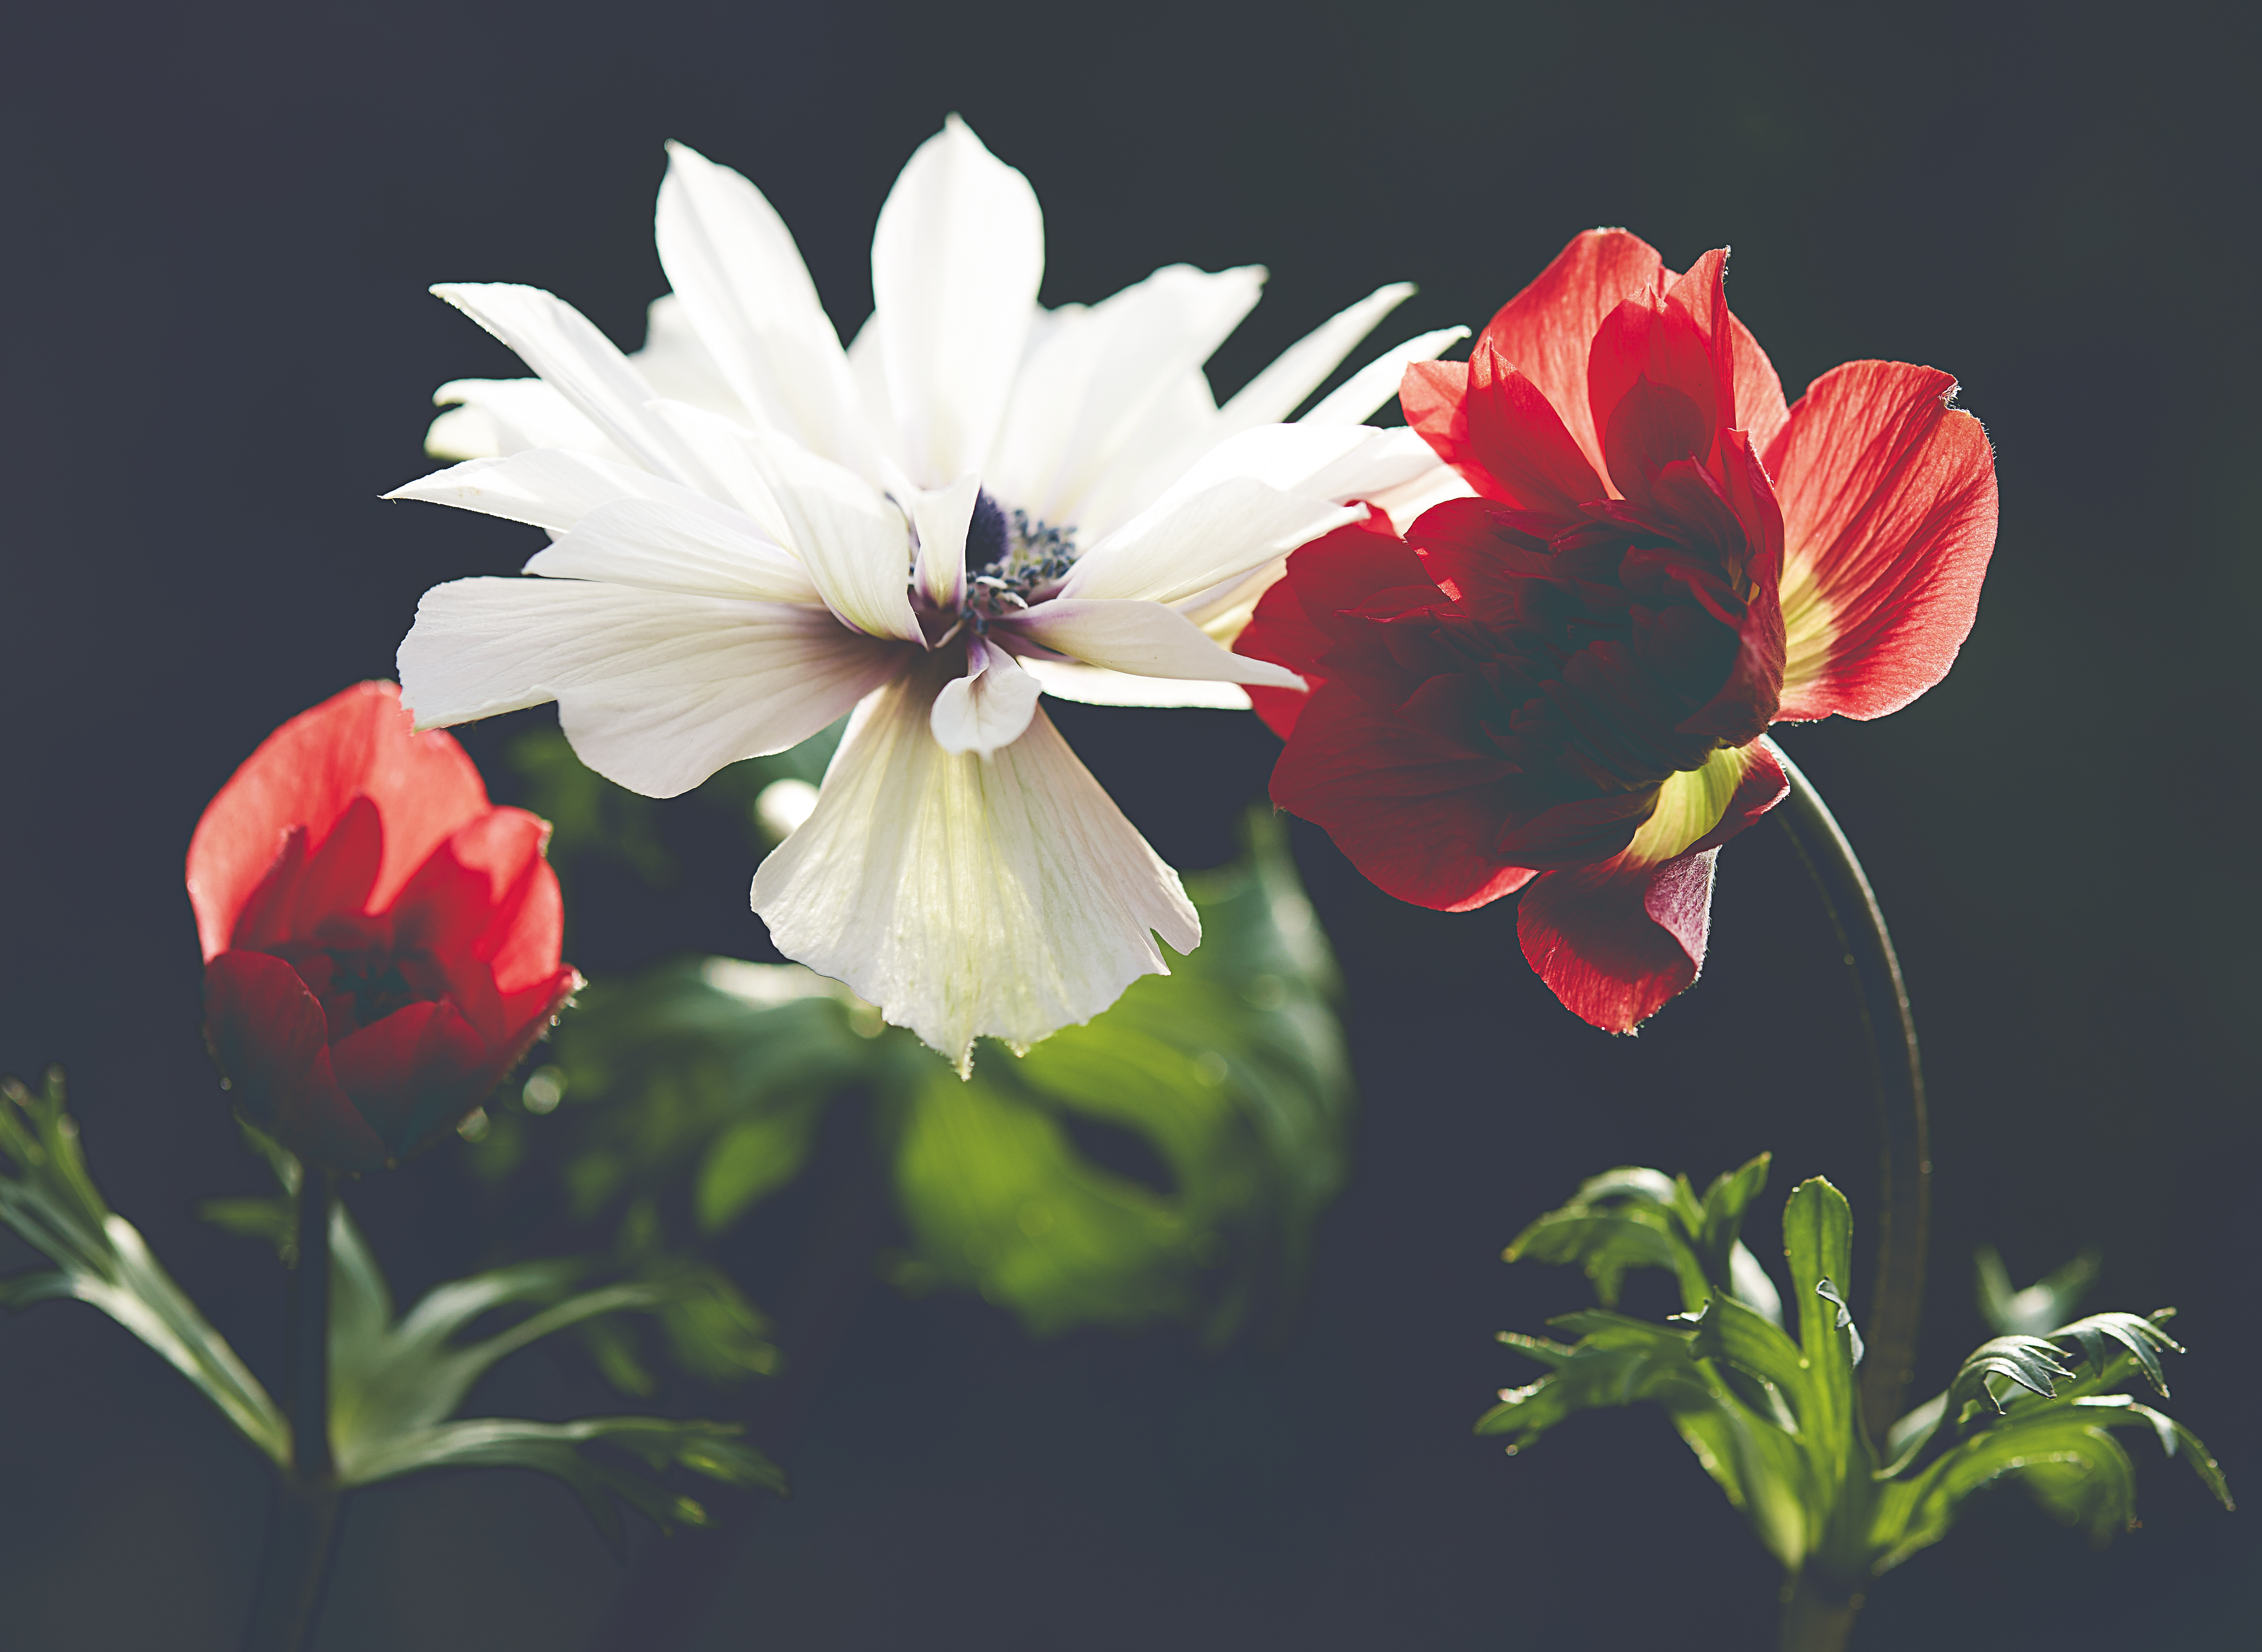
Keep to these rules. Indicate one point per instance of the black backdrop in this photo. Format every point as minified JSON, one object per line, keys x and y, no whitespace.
{"x":222,"y":222}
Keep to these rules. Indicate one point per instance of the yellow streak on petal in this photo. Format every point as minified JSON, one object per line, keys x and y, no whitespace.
{"x":1689,"y":804}
{"x":1810,"y":628}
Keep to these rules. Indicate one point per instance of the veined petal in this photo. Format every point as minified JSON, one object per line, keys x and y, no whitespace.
{"x":580,"y":363}
{"x":505,"y":415}
{"x":1340,"y":463}
{"x":663,"y":545}
{"x":656,"y":690}
{"x":1545,"y":331}
{"x":1144,"y":639}
{"x":1418,"y":816}
{"x":1889,"y":518}
{"x":988,"y":706}
{"x":1358,"y":398}
{"x":678,"y":365}
{"x":956,"y":260}
{"x":1181,"y":546}
{"x":1093,"y":374}
{"x":1617,"y":940}
{"x":941,"y":516}
{"x":964,"y":895}
{"x":853,"y":540}
{"x":1300,"y":369}
{"x":549,"y":487}
{"x":734,"y":266}
{"x":1090,"y":686}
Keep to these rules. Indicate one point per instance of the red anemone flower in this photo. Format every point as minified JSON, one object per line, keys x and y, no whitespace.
{"x":380,"y":943}
{"x":1562,"y":685}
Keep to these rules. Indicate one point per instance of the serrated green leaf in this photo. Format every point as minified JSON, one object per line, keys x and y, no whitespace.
{"x":2100,"y":1493}
{"x":2031,"y":1363}
{"x":50,"y":1199}
{"x":2141,"y":1337}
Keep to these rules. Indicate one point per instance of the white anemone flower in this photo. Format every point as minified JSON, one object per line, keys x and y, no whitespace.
{"x":755,"y":531}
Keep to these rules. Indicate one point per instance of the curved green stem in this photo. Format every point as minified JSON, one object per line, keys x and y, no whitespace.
{"x":1816,"y":1618}
{"x":1906,"y":1198}
{"x":299,"y":1538}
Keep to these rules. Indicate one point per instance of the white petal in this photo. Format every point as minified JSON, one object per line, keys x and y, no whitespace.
{"x":1067,"y":679}
{"x":1330,"y":461}
{"x":580,"y":364}
{"x":1357,"y":398}
{"x":1406,"y":502}
{"x":663,"y":545}
{"x":1182,"y":546}
{"x":504,"y":415}
{"x":549,"y":487}
{"x":1280,"y":388}
{"x":1002,"y":896}
{"x":1144,"y":639}
{"x":956,"y":259}
{"x":941,"y":516}
{"x":1089,"y":385}
{"x":988,"y":706}
{"x":853,"y":540}
{"x":655,"y":690}
{"x":678,"y":366}
{"x":740,"y":277}
{"x":729,"y":460}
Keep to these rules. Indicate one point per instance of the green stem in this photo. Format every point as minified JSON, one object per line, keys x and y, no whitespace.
{"x":1905,"y":1169}
{"x":1816,"y":1618}
{"x":305,"y":1520}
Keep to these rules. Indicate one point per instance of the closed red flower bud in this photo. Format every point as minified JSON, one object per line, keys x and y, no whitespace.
{"x":380,"y":941}
{"x":1562,"y":686}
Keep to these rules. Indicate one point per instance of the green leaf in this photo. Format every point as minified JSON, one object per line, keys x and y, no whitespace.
{"x":1726,"y":1200}
{"x":1729,"y":1330}
{"x":2141,"y":1337}
{"x":2072,"y":1462}
{"x":47,"y":1196}
{"x":563,"y":1450}
{"x":2032,"y":1311}
{"x":1230,"y":1070}
{"x":1604,"y":1246}
{"x":2175,"y":1441}
{"x":2031,"y":1363}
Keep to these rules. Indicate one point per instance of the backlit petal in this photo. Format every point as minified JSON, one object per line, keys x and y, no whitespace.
{"x":1889,"y":518}
{"x":1181,"y":546}
{"x":550,"y":487}
{"x":666,"y":545}
{"x":656,"y":690}
{"x":1365,"y":392}
{"x":940,"y":515}
{"x":506,"y":415}
{"x":1090,"y":686}
{"x":306,"y":774}
{"x":1093,"y":374}
{"x":272,"y":1040}
{"x":737,"y":271}
{"x":1303,"y":367}
{"x":1144,"y":639}
{"x":965,"y":895}
{"x":956,"y":260}
{"x":853,"y":540}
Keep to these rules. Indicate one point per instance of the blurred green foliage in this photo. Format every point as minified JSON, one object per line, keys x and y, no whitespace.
{"x":1165,"y":1162}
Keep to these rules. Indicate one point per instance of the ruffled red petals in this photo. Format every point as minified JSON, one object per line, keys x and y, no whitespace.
{"x":1298,"y":620}
{"x":1417,"y":814}
{"x":367,"y":1001}
{"x":306,"y":774}
{"x":1617,"y":940}
{"x":1890,"y":509}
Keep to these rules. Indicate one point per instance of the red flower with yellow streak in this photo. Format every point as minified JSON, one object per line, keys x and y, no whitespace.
{"x":1562,"y":686}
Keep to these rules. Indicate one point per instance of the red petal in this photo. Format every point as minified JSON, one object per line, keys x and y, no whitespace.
{"x":1293,"y":622}
{"x":1545,"y":331}
{"x":1434,"y":397}
{"x":1520,"y":442}
{"x":1889,"y":503}
{"x":271,"y":1039}
{"x":1416,"y":815}
{"x":1617,"y":940}
{"x":1748,"y":701}
{"x":416,"y":1073}
{"x":305,"y":774}
{"x":1678,"y":343}
{"x":1759,"y":407}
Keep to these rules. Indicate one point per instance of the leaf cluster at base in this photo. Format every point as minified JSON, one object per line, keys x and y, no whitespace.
{"x":1773,"y":1417}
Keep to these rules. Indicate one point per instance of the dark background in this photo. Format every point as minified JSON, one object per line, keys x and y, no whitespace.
{"x":222,"y":222}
